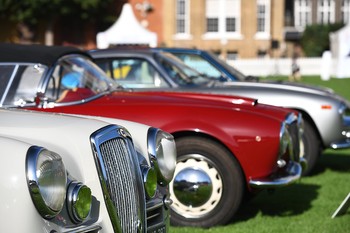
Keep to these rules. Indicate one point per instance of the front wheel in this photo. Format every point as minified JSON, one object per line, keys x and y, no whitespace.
{"x":208,"y":184}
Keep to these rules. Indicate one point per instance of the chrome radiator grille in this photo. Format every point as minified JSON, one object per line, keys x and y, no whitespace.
{"x":295,"y":127}
{"x":120,"y":177}
{"x":294,"y":133}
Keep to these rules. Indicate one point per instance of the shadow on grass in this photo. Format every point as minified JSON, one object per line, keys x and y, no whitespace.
{"x":335,"y":160}
{"x":284,"y":202}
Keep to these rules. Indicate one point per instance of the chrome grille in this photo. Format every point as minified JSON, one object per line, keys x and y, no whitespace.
{"x":294,"y":131}
{"x":120,"y":177}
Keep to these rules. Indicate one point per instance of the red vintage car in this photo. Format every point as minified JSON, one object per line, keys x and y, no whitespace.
{"x":227,"y":146}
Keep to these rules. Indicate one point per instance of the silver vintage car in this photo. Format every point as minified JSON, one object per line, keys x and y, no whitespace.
{"x":73,"y":174}
{"x":326,"y":114}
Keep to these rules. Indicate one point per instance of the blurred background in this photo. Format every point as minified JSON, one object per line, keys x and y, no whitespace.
{"x":259,"y":37}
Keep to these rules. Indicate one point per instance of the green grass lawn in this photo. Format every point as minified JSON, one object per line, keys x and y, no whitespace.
{"x":306,"y":206}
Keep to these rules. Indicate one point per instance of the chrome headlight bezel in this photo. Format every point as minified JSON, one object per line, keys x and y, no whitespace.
{"x":47,"y":180}
{"x":79,"y":201}
{"x":344,"y":111}
{"x":162,"y":153}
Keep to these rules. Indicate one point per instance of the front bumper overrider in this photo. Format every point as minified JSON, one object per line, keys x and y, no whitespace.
{"x":292,"y":173}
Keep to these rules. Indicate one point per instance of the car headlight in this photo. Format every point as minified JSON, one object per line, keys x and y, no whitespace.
{"x":344,"y":111}
{"x":162,"y":151}
{"x":285,"y":144}
{"x":79,"y":201}
{"x":149,"y":181}
{"x":47,"y":178}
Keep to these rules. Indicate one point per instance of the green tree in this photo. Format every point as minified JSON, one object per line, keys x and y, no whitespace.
{"x":31,"y":12}
{"x":315,"y":39}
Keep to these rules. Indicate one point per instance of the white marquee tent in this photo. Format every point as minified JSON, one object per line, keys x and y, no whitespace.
{"x":340,"y":49}
{"x":126,"y":31}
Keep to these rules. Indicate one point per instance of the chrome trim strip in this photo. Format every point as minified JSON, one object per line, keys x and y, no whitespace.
{"x":4,"y":95}
{"x":85,"y":229}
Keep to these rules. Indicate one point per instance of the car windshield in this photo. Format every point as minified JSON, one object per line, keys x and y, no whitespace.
{"x":73,"y":78}
{"x":240,"y":76}
{"x":180,"y":73}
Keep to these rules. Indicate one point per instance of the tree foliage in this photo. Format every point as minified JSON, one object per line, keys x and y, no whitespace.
{"x":315,"y":39}
{"x":32,"y":11}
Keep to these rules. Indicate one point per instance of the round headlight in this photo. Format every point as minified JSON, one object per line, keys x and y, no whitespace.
{"x":79,"y":201}
{"x":47,"y":178}
{"x":149,"y":181}
{"x":162,"y":150}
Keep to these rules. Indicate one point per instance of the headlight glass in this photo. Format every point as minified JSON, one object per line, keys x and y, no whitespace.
{"x":150,"y":181}
{"x":162,"y":151}
{"x":79,"y":201}
{"x":285,"y":140}
{"x":47,"y":178}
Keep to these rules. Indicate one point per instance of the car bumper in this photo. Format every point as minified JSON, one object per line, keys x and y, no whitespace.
{"x":292,"y":173}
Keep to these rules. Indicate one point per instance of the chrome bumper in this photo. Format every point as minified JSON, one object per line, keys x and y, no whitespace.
{"x":293,"y":173}
{"x":341,"y":145}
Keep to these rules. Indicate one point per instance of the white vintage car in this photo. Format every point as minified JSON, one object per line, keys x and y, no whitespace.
{"x":73,"y":174}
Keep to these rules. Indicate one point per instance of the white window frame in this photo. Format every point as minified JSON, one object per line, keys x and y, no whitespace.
{"x":345,"y":11}
{"x":186,"y":17}
{"x":325,"y":13}
{"x":266,"y":17}
{"x":222,"y":14}
{"x":302,"y":13}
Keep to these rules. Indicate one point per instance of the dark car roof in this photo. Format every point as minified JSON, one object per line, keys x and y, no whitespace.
{"x":179,"y":49}
{"x":122,"y":50}
{"x":35,"y":53}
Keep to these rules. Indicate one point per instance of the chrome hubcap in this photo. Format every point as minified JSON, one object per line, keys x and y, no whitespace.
{"x":196,"y":188}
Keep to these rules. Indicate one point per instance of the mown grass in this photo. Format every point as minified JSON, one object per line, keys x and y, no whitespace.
{"x":306,"y":206}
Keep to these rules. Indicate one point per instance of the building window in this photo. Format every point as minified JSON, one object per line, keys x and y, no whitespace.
{"x":263,"y":19}
{"x":223,"y":16}
{"x":232,"y":55}
{"x":182,"y":17}
{"x":263,"y":15}
{"x":302,"y":13}
{"x":326,"y":11}
{"x":345,"y":11}
{"x":230,"y":24}
{"x":212,"y":25}
{"x":261,"y":54}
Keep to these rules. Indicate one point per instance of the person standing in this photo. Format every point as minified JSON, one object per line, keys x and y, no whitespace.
{"x":295,"y":76}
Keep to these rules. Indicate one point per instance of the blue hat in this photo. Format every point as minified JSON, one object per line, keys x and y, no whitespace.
{"x":71,"y":80}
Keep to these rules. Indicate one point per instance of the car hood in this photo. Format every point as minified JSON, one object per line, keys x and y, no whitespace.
{"x":260,"y":89}
{"x":175,"y":99}
{"x":295,"y":87}
{"x":51,"y":131}
{"x":158,"y":97}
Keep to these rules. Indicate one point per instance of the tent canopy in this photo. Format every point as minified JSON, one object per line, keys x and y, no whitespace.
{"x":340,"y":47}
{"x":126,"y":31}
